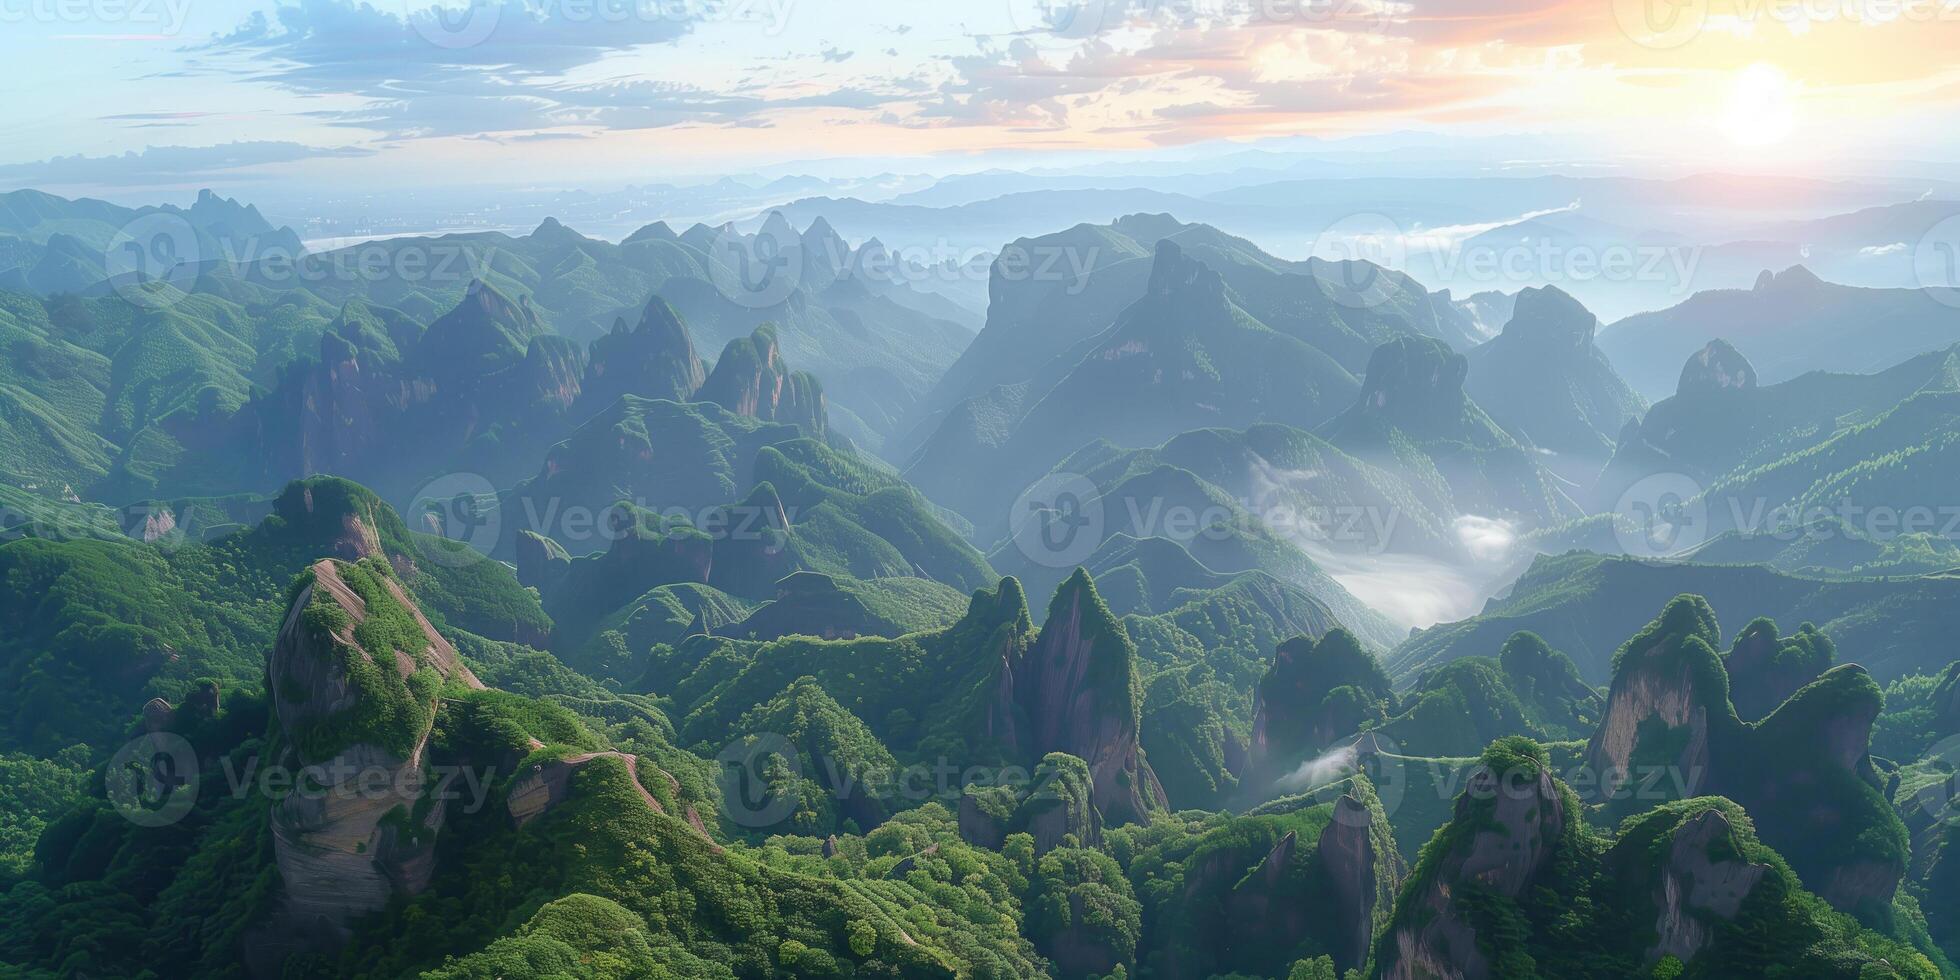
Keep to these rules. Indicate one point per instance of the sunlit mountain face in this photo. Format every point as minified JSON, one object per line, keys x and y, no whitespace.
{"x":1071,"y":489}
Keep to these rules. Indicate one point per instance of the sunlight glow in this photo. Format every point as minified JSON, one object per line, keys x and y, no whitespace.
{"x":1762,"y":107}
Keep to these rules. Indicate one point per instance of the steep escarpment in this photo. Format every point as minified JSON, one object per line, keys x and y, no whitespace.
{"x":1697,"y":883}
{"x":654,"y":359}
{"x":1414,"y":415}
{"x":1804,"y":772}
{"x":1668,"y":702}
{"x":1513,"y":821}
{"x":1314,"y":694}
{"x":1546,"y":382}
{"x":1305,"y":878}
{"x":751,"y":379}
{"x":1765,"y":669}
{"x":356,"y":676}
{"x":1075,"y":691}
{"x":1057,"y":809}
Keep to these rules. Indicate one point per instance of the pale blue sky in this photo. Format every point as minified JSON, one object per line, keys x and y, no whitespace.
{"x":134,"y":94}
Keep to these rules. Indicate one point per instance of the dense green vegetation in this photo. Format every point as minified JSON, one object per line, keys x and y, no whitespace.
{"x":755,"y":702}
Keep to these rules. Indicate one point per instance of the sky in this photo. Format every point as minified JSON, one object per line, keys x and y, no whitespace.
{"x":133,"y":94}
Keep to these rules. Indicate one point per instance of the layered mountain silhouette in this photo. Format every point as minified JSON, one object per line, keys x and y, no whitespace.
{"x":1791,"y":323}
{"x":1548,"y":384}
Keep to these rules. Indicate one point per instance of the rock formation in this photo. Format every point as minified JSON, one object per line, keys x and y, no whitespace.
{"x":1696,"y":885}
{"x":1363,"y":871}
{"x":1059,"y":805}
{"x":1804,"y":772}
{"x":1075,"y":691}
{"x":1313,"y":695}
{"x":655,"y":359}
{"x":356,"y":674}
{"x":1508,"y":827}
{"x":1547,"y":384}
{"x":1765,"y":669}
{"x":1716,"y":367}
{"x":751,"y":379}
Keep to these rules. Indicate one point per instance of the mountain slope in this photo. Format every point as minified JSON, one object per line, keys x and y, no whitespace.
{"x":1791,"y":323}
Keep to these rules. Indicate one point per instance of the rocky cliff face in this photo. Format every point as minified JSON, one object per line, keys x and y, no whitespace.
{"x":1075,"y":691}
{"x":1765,"y":669}
{"x":1551,"y":319}
{"x":1415,"y":382}
{"x":356,"y":674}
{"x":547,"y":784}
{"x":1807,"y":777}
{"x":1547,"y":384}
{"x":1716,"y":367}
{"x":1364,"y":871}
{"x":655,"y":359}
{"x":1060,"y":804}
{"x":384,"y":402}
{"x":1702,"y":877}
{"x":1667,"y":686}
{"x":1314,"y":694}
{"x":751,"y":379}
{"x":1804,"y":773}
{"x":1507,"y":829}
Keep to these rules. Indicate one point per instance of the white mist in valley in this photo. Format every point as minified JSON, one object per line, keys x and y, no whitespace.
{"x":1413,"y":590}
{"x":1318,"y":771}
{"x":1419,"y":591}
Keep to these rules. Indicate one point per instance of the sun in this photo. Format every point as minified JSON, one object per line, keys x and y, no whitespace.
{"x":1762,"y":108}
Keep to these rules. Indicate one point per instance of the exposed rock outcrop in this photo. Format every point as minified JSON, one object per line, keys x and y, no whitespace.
{"x":751,"y":379}
{"x":1075,"y":691}
{"x":1716,"y":367}
{"x":1315,"y":694}
{"x":1765,"y":669}
{"x":548,"y":784}
{"x":1058,"y":807}
{"x":1507,"y":829}
{"x":355,"y":718}
{"x":1804,"y":772}
{"x":655,"y":359}
{"x":1354,"y":853}
{"x":1417,"y":382}
{"x":1694,"y":886}
{"x":1667,"y":678}
{"x":1549,"y":386}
